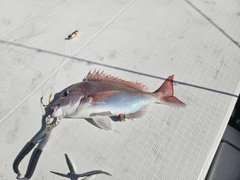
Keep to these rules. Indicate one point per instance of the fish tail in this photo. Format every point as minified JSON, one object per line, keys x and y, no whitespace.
{"x":165,"y":93}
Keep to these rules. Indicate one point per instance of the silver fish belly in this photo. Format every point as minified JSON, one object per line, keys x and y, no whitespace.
{"x":114,"y":103}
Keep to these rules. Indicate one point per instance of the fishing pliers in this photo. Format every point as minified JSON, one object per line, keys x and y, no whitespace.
{"x":41,"y":139}
{"x":73,"y":176}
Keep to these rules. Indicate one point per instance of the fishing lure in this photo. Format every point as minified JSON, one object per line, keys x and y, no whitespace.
{"x":73,"y":35}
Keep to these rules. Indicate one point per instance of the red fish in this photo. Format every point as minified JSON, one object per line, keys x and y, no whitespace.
{"x":102,"y":97}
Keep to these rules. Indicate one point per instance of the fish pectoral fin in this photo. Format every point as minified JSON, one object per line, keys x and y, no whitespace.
{"x":137,"y":114}
{"x":102,"y":122}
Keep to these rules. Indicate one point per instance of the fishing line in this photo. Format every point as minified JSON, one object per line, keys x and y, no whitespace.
{"x":42,"y":137}
{"x":50,"y":81}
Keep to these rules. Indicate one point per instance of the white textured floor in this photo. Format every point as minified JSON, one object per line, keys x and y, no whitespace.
{"x":136,"y":40}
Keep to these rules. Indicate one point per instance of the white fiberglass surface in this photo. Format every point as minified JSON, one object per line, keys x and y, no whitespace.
{"x":138,"y":40}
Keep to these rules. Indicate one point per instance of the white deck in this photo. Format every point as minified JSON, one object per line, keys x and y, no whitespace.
{"x":136,"y":40}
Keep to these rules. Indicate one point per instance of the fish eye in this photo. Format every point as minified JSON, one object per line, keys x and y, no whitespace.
{"x":65,"y":93}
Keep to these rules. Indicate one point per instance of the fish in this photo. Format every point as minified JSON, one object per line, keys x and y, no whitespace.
{"x":102,"y":97}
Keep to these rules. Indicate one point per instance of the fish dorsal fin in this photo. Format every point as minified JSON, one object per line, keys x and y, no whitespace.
{"x":102,"y":76}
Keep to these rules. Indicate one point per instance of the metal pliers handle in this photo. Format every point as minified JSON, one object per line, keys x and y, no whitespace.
{"x":41,"y":139}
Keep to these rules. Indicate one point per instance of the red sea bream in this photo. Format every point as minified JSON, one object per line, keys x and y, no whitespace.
{"x":102,"y":97}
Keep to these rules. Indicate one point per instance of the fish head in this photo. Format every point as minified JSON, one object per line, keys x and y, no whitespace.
{"x":67,"y":104}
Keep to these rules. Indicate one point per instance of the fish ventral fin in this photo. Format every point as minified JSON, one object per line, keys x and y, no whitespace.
{"x":102,"y":122}
{"x":165,"y":93}
{"x":102,"y":76}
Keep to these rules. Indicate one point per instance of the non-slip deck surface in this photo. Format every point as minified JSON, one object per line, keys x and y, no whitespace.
{"x":138,"y":40}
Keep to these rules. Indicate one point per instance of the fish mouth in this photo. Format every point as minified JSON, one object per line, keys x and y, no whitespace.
{"x":56,"y":112}
{"x":63,"y":108}
{"x":53,"y":107}
{"x":51,"y":112}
